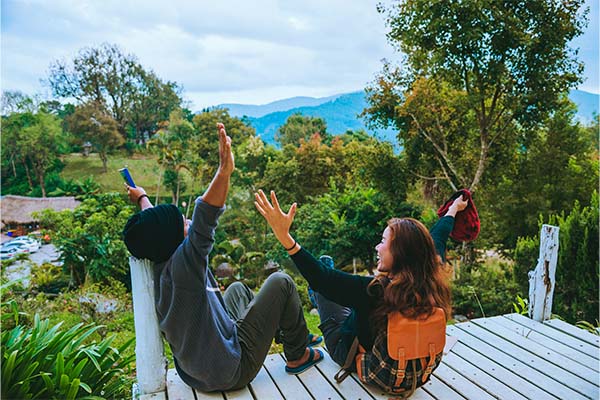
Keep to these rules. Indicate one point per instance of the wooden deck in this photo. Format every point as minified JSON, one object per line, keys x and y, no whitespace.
{"x":504,"y":357}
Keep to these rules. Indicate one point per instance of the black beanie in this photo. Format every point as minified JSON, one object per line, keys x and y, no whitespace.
{"x":154,"y":233}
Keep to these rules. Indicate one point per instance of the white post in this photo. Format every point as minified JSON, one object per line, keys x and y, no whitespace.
{"x":541,"y":280}
{"x":151,"y":363}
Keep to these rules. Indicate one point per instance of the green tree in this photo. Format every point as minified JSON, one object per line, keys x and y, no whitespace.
{"x":89,"y":239}
{"x":91,"y":123}
{"x":137,"y":99}
{"x":172,"y":145}
{"x":473,"y":70}
{"x":309,"y":167}
{"x":204,"y":144}
{"x":14,"y":162}
{"x":152,"y":103}
{"x":556,"y":166}
{"x":345,"y":224}
{"x":39,"y":144}
{"x":15,"y":101}
{"x":298,"y":128}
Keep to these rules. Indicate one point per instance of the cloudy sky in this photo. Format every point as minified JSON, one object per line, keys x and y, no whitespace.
{"x":241,"y":51}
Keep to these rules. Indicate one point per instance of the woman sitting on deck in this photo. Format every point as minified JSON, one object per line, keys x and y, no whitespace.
{"x":410,"y":281}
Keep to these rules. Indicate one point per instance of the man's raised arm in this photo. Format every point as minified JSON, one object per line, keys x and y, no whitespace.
{"x":216,"y":194}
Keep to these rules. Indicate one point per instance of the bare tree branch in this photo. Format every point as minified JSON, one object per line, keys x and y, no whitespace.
{"x":440,"y":151}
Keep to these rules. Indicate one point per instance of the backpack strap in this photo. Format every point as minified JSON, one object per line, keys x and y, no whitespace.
{"x":345,"y":370}
{"x":429,"y":368}
{"x":401,"y":371}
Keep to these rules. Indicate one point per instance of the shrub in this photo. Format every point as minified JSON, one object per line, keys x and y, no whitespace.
{"x":577,"y":270}
{"x":89,"y":238}
{"x":47,"y":362}
{"x":48,"y":278}
{"x":525,"y":256}
{"x":483,"y":290}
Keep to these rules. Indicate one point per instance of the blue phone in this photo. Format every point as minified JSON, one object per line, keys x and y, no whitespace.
{"x":125,"y":174}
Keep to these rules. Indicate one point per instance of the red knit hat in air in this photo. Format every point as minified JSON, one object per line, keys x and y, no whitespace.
{"x":466,"y":222}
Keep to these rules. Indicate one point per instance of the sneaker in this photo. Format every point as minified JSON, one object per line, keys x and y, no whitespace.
{"x":327,"y":261}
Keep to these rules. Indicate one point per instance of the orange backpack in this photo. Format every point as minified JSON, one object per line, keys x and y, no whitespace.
{"x":403,"y":357}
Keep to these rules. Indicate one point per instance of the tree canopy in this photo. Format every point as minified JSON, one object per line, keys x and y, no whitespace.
{"x":474,"y":72}
{"x":136,"y":98}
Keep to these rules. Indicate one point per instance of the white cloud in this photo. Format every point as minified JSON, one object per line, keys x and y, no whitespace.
{"x":219,"y":51}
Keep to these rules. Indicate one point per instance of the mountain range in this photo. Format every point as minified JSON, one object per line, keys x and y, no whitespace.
{"x":341,"y":113}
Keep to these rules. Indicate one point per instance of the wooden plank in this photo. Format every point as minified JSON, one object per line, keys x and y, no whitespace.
{"x":420,"y":394}
{"x":542,"y":351}
{"x":240,"y":394}
{"x":289,"y":385}
{"x":533,"y":376}
{"x":317,"y":385}
{"x":263,"y":386}
{"x":546,"y":341}
{"x":208,"y":395}
{"x":349,"y":388}
{"x":178,"y":389}
{"x":468,"y":389}
{"x":566,"y":339}
{"x":509,"y":378}
{"x":374,"y":391}
{"x":488,"y":382}
{"x":522,"y":354}
{"x":153,"y":396}
{"x":439,"y":390}
{"x":572,"y":330}
{"x":379,"y":394}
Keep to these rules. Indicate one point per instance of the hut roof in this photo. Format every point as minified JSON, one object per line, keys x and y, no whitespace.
{"x":18,"y":209}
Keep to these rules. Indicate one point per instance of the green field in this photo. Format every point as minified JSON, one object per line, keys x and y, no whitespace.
{"x":143,"y":168}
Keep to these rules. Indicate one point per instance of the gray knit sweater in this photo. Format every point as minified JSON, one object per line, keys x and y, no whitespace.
{"x":191,"y":311}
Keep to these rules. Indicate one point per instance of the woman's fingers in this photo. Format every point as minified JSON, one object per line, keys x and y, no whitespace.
{"x":262,"y":202}
{"x":266,"y":209}
{"x":274,"y":200}
{"x":265,"y":202}
{"x":259,"y":208}
{"x":292,"y":211}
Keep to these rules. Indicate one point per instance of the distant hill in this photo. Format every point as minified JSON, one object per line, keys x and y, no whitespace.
{"x":587,"y":105}
{"x":341,"y":113}
{"x":249,"y":110}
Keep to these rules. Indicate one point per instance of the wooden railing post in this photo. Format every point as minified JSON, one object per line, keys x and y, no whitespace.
{"x":541,"y":280}
{"x":151,"y":363}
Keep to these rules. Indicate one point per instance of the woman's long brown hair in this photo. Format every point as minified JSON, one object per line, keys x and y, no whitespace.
{"x":419,"y":283}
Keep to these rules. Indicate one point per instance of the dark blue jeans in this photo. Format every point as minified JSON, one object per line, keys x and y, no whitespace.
{"x":333,"y":317}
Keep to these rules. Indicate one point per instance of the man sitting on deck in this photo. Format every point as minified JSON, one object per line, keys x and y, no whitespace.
{"x":212,"y":351}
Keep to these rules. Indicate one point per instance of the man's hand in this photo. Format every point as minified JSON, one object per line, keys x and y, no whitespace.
{"x":226,"y":161}
{"x":134,"y":193}
{"x":137,"y":195}
{"x":216,"y":194}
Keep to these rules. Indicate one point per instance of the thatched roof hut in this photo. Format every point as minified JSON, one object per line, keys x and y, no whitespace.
{"x":16,"y":210}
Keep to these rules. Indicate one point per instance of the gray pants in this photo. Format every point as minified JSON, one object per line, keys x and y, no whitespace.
{"x":258,"y":318}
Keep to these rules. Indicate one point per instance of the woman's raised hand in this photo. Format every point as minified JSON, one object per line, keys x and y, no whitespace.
{"x":279,"y":221}
{"x":457,"y":206}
